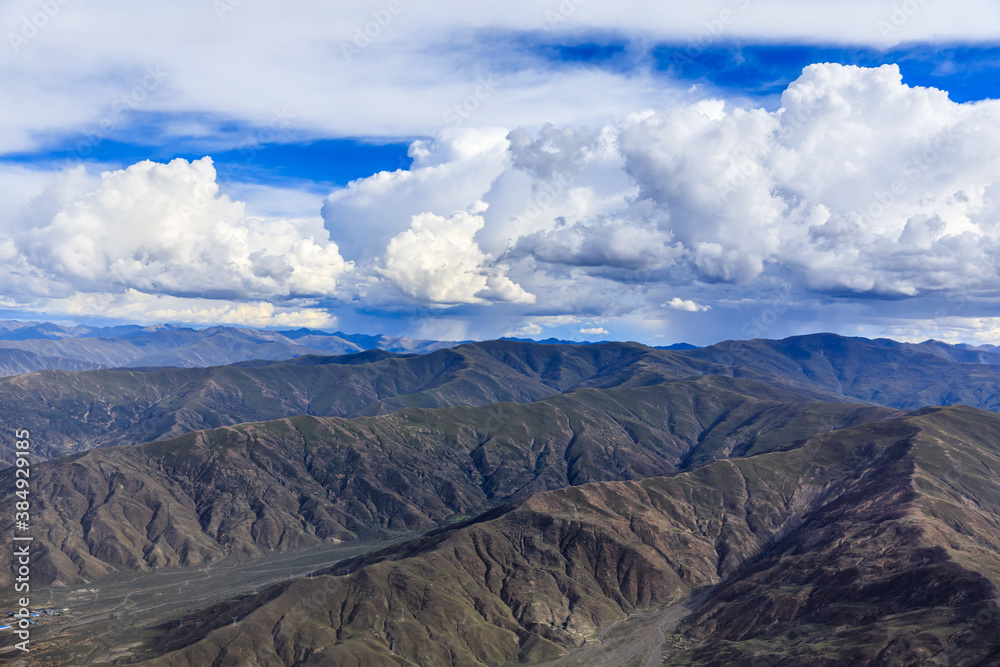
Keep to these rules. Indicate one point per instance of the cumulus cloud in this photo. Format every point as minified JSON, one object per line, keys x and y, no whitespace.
{"x":166,"y":229}
{"x":447,"y":175}
{"x":525,"y":331}
{"x":857,"y":186}
{"x":134,"y":306}
{"x":687,"y":305}
{"x":437,"y":260}
{"x":163,"y":230}
{"x":594,"y":331}
{"x":602,"y":243}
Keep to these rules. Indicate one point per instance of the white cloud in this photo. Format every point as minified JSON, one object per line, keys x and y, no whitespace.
{"x":601,"y":243}
{"x":525,"y":331}
{"x":949,"y":329}
{"x":403,"y":82}
{"x":162,"y":230}
{"x":687,"y":305}
{"x":555,"y":320}
{"x":437,"y":260}
{"x":709,"y":194}
{"x":594,"y":331}
{"x":857,"y":186}
{"x":134,"y":306}
{"x":166,"y":229}
{"x":447,"y":175}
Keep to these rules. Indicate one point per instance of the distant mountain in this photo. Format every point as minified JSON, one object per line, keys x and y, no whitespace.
{"x":870,"y":545}
{"x":72,"y":412}
{"x":900,"y":375}
{"x":32,"y":346}
{"x":757,"y":502}
{"x":293,"y":483}
{"x":677,"y":346}
{"x":558,"y":341}
{"x":19,"y":362}
{"x":551,"y":341}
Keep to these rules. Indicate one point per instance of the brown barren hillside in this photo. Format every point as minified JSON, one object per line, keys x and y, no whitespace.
{"x":861,"y":546}
{"x":71,"y":412}
{"x":246,"y":490}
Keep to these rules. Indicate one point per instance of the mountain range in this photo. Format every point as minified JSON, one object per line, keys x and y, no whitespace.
{"x":819,"y":499}
{"x":26,"y":347}
{"x":293,"y":483}
{"x":74,"y":411}
{"x":859,"y":546}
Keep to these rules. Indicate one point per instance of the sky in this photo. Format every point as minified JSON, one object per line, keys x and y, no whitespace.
{"x":579,"y":169}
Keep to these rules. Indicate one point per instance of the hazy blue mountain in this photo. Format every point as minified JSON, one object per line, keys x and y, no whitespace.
{"x":899,"y":375}
{"x":34,"y":346}
{"x":559,"y":341}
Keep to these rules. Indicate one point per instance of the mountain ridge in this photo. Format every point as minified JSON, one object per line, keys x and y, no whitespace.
{"x":535,"y":581}
{"x":73,"y":411}
{"x":245,"y":489}
{"x":35,"y":346}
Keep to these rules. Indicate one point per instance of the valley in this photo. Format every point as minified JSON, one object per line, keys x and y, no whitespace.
{"x":108,"y":618}
{"x":765,"y":503}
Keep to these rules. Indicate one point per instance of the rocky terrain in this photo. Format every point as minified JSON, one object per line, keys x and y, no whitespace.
{"x":871,"y":545}
{"x":751,"y":503}
{"x":248,"y":489}
{"x":73,"y":412}
{"x":26,"y":347}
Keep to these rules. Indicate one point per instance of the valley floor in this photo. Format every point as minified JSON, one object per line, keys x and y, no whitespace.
{"x":637,"y":642}
{"x":111,"y":618}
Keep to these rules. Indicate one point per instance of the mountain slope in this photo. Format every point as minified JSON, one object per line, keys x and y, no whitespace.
{"x":297,"y":482}
{"x":72,"y":412}
{"x":861,"y":543}
{"x":17,"y":362}
{"x":30,"y":346}
{"x":898,"y":375}
{"x":903,"y":570}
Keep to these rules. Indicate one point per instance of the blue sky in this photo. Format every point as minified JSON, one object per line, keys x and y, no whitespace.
{"x":661,"y":172}
{"x":757,"y":71}
{"x":321,"y":164}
